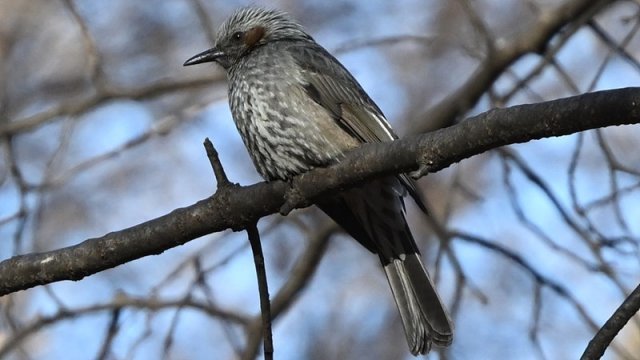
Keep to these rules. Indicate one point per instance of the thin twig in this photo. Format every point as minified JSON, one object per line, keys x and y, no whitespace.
{"x":205,"y":20}
{"x":256,"y":249}
{"x":119,"y":302}
{"x":216,"y":165}
{"x":263,"y":288}
{"x":610,"y":329}
{"x":301,"y":272}
{"x":91,"y":49}
{"x":77,"y":107}
{"x":112,"y":331}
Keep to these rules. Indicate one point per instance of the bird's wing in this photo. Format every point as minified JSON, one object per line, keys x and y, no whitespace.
{"x":333,"y":87}
{"x":329,"y":84}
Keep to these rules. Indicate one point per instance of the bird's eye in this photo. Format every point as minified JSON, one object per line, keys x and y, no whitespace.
{"x":237,"y":35}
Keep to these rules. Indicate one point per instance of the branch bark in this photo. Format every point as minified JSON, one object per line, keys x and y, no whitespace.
{"x":237,"y":207}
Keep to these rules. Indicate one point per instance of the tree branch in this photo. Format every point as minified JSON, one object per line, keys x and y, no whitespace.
{"x":77,"y":107}
{"x":119,"y":302}
{"x":502,"y":54}
{"x":216,"y":165}
{"x":604,"y":336}
{"x":303,"y":269}
{"x":263,"y":289}
{"x":238,"y":207}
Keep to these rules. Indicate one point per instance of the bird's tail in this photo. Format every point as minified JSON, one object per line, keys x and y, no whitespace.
{"x":374,"y":215}
{"x":423,"y":315}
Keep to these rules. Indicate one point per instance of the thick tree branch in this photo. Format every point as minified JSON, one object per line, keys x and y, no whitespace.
{"x":237,"y":207}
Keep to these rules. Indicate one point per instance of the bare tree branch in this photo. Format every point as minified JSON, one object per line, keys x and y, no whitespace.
{"x":263,"y":289}
{"x":237,"y":207}
{"x":610,"y":329}
{"x":81,"y":106}
{"x":304,"y":268}
{"x":504,"y":53}
{"x":118,"y":303}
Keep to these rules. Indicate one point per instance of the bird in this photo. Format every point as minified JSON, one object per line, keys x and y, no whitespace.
{"x":297,"y":108}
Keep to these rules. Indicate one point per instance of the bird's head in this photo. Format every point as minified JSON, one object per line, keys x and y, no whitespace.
{"x":247,"y":29}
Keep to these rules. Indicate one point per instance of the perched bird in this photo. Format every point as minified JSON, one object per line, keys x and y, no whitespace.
{"x":297,"y":108}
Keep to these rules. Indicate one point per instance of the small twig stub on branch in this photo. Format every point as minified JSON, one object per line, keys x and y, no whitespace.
{"x":216,"y":165}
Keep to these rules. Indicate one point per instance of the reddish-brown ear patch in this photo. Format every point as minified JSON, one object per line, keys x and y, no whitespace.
{"x":253,"y":35}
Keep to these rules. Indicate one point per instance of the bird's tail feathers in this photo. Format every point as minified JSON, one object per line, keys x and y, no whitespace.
{"x":423,"y":316}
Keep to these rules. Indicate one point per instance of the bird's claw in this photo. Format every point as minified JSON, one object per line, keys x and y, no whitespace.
{"x":422,"y":170}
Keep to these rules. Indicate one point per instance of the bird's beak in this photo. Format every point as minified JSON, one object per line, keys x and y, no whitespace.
{"x":210,"y":55}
